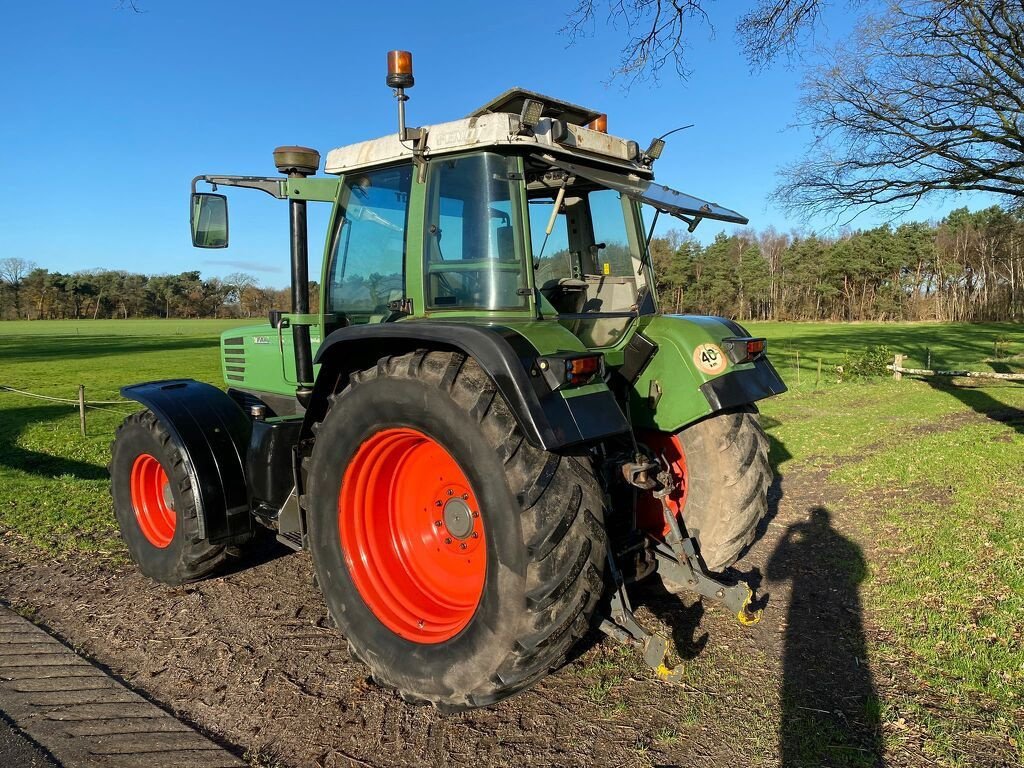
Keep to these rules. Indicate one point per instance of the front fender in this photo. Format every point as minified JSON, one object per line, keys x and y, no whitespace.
{"x":212,"y":433}
{"x":676,"y":388}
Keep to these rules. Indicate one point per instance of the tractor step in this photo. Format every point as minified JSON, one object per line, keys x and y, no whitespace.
{"x":291,"y":539}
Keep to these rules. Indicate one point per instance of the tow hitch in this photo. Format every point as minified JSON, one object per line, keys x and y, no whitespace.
{"x":680,"y":570}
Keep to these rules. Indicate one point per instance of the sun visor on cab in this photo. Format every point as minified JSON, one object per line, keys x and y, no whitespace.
{"x":686,"y":207}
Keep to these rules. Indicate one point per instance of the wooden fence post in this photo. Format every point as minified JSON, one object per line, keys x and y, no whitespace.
{"x":817,"y":379}
{"x":81,"y":408}
{"x":897,"y":363}
{"x":798,"y":367}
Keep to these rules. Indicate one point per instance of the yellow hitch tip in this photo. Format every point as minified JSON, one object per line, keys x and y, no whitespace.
{"x":745,"y":616}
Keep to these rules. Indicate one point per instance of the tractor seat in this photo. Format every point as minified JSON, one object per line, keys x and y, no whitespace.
{"x":567,"y":295}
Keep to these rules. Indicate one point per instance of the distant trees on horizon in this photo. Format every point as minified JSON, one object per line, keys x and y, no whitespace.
{"x":967,"y":267}
{"x":30,"y":292}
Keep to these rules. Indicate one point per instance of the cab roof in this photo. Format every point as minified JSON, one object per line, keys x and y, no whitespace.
{"x":561,"y":130}
{"x":512,"y":100}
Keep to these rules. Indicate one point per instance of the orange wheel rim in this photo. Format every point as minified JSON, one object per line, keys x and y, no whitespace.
{"x":152,"y":500}
{"x":412,"y":535}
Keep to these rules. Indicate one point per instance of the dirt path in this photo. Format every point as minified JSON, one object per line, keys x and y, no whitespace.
{"x":251,"y":659}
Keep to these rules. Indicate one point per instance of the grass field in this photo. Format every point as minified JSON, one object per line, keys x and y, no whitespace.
{"x":927,"y":474}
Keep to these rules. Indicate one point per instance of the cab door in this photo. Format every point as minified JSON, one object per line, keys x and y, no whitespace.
{"x":364,"y":276}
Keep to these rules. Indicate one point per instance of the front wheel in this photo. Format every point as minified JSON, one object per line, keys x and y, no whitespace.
{"x":720,"y":466}
{"x":460,"y":562}
{"x":155,"y":505}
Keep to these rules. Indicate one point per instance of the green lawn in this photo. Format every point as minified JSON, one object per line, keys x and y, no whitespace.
{"x":53,"y":482}
{"x":933,"y":484}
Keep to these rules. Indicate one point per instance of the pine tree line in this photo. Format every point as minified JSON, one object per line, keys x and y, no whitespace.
{"x":969,"y":266}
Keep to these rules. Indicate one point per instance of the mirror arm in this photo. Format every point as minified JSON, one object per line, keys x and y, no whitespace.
{"x":274,"y":187}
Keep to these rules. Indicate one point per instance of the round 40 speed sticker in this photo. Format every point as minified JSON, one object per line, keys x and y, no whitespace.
{"x":710,"y":359}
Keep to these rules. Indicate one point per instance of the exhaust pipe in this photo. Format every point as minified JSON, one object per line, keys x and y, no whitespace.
{"x":298,"y":163}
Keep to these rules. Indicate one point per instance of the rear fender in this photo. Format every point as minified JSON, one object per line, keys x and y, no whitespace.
{"x":691,"y":376}
{"x":212,"y":433}
{"x":552,"y":421}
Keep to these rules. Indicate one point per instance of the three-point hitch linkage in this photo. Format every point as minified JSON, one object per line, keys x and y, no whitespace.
{"x":680,"y":569}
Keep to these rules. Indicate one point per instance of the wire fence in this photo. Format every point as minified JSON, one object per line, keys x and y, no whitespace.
{"x":74,"y":401}
{"x":80,"y":401}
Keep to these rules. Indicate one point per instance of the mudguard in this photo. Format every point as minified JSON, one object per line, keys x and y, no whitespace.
{"x":548,"y":419}
{"x":213,"y":434}
{"x":679,"y":385}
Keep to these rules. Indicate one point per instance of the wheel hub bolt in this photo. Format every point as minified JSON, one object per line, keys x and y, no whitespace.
{"x":438,"y":503}
{"x":448,"y":540}
{"x":451,"y":492}
{"x":437,"y":523}
{"x":465,"y":496}
{"x":462,"y":545}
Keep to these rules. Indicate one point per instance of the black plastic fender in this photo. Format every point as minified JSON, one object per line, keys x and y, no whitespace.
{"x":213,"y":434}
{"x":743,"y":387}
{"x":548,"y":420}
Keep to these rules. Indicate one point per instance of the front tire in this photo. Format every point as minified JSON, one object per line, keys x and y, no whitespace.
{"x":460,"y":562}
{"x":155,"y":506}
{"x":721,"y":468}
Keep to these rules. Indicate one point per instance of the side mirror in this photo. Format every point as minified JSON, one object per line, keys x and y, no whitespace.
{"x":209,"y":220}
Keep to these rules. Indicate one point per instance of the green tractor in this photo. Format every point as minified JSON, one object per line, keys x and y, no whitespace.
{"x":487,"y":433}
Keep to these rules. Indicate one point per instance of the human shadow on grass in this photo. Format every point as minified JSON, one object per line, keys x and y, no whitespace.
{"x":14,"y":421}
{"x":830,"y":712}
{"x":982,"y":401}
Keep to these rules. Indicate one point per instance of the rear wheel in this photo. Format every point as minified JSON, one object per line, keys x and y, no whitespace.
{"x":154,"y":504}
{"x":721,"y":469}
{"x":460,"y":562}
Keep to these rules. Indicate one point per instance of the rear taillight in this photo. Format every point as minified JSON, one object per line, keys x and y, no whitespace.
{"x":744,"y":349}
{"x":582,"y":369}
{"x":570,"y":370}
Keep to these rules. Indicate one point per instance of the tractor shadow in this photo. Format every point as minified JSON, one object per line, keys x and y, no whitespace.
{"x":830,"y":709}
{"x":264,"y":548}
{"x":17,"y":420}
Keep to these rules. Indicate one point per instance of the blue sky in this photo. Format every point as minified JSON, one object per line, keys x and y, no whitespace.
{"x":108,"y":114}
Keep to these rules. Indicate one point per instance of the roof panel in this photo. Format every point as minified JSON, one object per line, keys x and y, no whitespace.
{"x":512,"y":101}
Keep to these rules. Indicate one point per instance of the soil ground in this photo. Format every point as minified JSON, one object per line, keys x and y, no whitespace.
{"x":891,"y":566}
{"x":251,"y":658}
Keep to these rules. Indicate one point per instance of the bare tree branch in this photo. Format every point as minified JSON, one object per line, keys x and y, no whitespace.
{"x":656,"y":31}
{"x":926,"y":98}
{"x":775,"y":27}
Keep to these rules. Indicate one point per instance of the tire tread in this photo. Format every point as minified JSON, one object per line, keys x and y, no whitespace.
{"x":560,"y":502}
